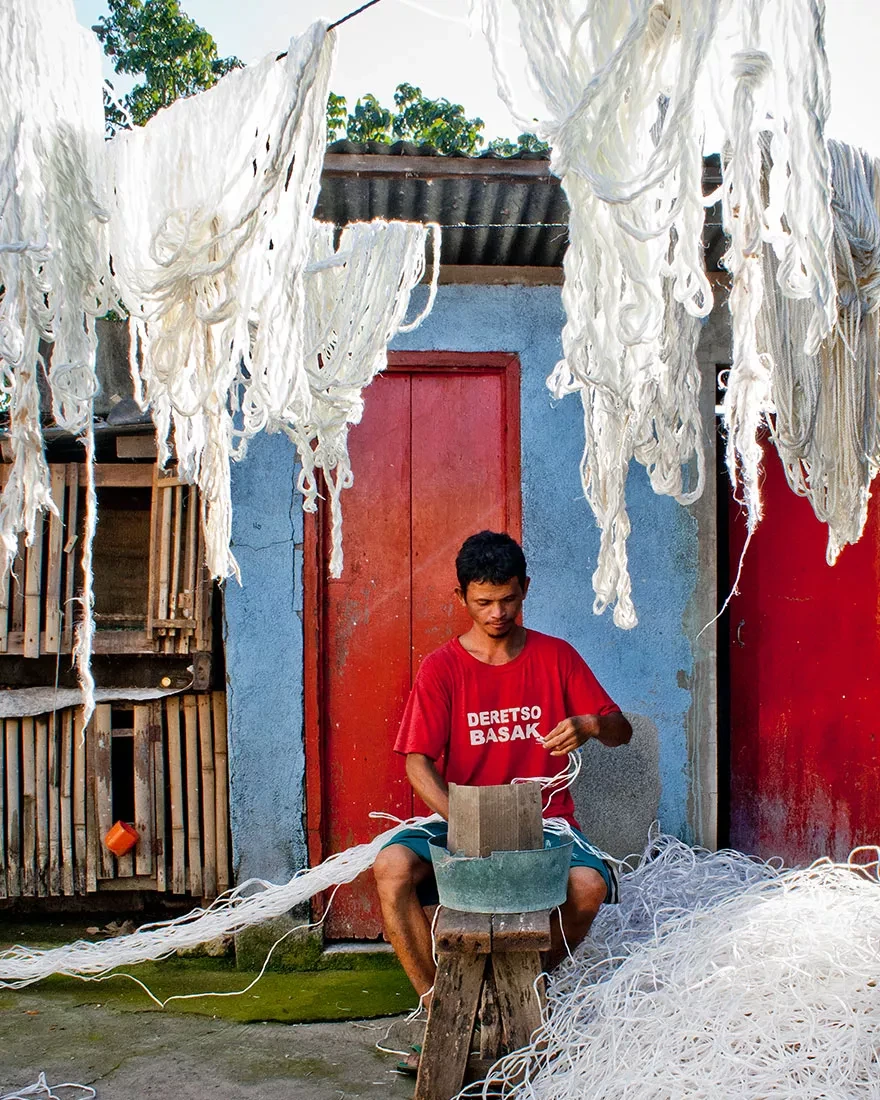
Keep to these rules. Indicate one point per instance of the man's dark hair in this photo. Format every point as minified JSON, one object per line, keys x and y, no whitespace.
{"x":490,"y":557}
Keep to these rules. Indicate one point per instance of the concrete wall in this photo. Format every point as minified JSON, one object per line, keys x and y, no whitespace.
{"x":650,"y":671}
{"x":264,"y":665}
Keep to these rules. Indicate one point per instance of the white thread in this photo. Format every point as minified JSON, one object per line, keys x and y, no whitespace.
{"x":42,"y":1090}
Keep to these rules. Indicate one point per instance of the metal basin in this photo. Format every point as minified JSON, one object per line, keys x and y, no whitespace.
{"x":504,"y":882}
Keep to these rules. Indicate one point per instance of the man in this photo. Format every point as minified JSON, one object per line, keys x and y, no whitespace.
{"x":497,"y":703}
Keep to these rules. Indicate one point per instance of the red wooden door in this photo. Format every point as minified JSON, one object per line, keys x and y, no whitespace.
{"x":435,"y":458}
{"x":804,"y":685}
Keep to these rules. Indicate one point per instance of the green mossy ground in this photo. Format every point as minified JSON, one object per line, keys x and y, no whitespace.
{"x":339,"y":986}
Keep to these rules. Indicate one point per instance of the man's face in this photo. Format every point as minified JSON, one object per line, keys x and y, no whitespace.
{"x":494,"y":607}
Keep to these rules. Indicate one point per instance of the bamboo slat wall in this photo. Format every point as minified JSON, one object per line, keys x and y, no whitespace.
{"x":57,"y":800}
{"x":37,"y":607}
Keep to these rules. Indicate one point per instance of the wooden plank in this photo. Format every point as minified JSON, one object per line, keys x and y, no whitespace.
{"x":450,"y":1026}
{"x":143,"y":795}
{"x":119,"y":475}
{"x":41,"y":753}
{"x":157,"y":747}
{"x":102,"y":763}
{"x":203,"y":594}
{"x":209,"y":818}
{"x":55,"y":803}
{"x":16,"y":616}
{"x":435,"y":168}
{"x":501,"y":818}
{"x":521,"y":931}
{"x":32,"y":577}
{"x":124,"y":869}
{"x":176,"y":552}
{"x":175,"y":786}
{"x":28,"y":809}
{"x":518,"y":1002}
{"x":464,"y":820}
{"x":499,"y":275}
{"x":136,"y":446}
{"x":221,"y":789}
{"x":153,"y":572}
{"x":80,"y":784}
{"x":52,"y":636}
{"x":93,"y":842}
{"x":187,"y":598}
{"x":491,"y":1033}
{"x":194,"y":854}
{"x":5,"y":600}
{"x":68,"y":859}
{"x":455,"y":931}
{"x":71,"y":531}
{"x":3,"y":814}
{"x":164,"y":535}
{"x":12,"y":736}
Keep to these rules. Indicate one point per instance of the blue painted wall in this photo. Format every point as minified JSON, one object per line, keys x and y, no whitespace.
{"x":264,"y":665}
{"x":641,"y":668}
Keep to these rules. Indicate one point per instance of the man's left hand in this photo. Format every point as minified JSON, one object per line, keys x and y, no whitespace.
{"x":571,"y":733}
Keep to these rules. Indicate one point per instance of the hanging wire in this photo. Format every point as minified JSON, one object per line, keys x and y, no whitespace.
{"x":352,"y":14}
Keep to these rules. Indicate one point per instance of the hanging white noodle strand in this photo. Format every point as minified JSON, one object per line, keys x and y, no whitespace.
{"x":825,"y":426}
{"x":85,"y":627}
{"x":357,"y":296}
{"x":209,"y":261}
{"x":53,"y":264}
{"x":627,"y":85}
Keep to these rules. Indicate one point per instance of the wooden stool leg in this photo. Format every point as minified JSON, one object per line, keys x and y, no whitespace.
{"x":519,"y":1004}
{"x":450,"y":1026}
{"x":490,"y":1018}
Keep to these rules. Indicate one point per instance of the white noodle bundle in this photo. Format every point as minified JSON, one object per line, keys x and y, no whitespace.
{"x":826,"y":427}
{"x":357,"y":296}
{"x":250,"y":903}
{"x":210,"y":233}
{"x":52,"y":251}
{"x":627,"y":85}
{"x":716,"y":977}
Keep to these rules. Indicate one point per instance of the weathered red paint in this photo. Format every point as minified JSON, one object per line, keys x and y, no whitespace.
{"x":436,"y":457}
{"x":805,"y":691}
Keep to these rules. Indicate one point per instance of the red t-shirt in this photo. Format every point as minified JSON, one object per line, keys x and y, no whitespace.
{"x":487,"y":721}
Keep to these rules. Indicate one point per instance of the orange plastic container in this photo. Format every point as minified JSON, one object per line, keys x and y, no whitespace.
{"x":121,"y":838}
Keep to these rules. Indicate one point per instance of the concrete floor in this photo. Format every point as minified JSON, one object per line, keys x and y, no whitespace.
{"x":128,"y":1055}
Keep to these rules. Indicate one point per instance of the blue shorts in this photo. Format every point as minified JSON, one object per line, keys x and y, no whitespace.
{"x":583,"y":854}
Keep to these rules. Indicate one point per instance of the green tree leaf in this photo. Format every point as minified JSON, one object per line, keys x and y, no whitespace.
{"x":156,"y":40}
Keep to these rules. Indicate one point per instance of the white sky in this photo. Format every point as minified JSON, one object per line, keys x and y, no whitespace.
{"x":429,"y":43}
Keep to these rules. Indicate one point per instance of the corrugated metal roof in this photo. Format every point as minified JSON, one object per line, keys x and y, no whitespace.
{"x":505,"y":211}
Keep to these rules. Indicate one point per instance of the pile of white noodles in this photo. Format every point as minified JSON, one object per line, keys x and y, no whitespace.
{"x":718,"y":977}
{"x":629,"y":87}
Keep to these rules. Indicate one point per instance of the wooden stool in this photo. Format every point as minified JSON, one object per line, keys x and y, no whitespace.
{"x":485,"y":962}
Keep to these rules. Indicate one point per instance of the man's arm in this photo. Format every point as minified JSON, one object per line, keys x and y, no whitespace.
{"x":427,"y":782}
{"x":571,"y":733}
